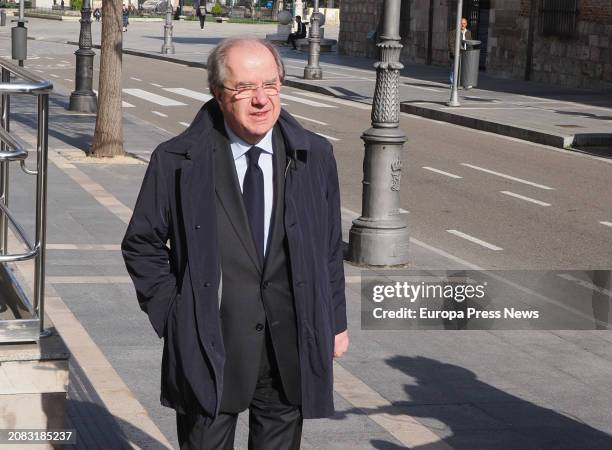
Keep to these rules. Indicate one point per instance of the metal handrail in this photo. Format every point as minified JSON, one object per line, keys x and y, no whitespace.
{"x":11,"y":150}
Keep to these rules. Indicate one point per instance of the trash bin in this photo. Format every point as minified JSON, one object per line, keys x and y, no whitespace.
{"x":2,"y":17}
{"x":470,"y":60}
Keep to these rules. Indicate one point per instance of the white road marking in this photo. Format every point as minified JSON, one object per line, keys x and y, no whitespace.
{"x":331,"y":138}
{"x":48,"y":57}
{"x":527,"y":199}
{"x":185,"y":124}
{"x":306,"y":102}
{"x":441,"y":172}
{"x":608,"y":224}
{"x":310,"y":120}
{"x":403,"y":211}
{"x":68,"y":80}
{"x":53,"y":75}
{"x":585,"y":284}
{"x":340,"y":101}
{"x":38,"y":70}
{"x":475,"y":240}
{"x":189,"y":93}
{"x":157,"y":113}
{"x":65,"y":62}
{"x":156,"y":85}
{"x":135,"y":79}
{"x":421,"y":87}
{"x":285,"y":104}
{"x":123,"y":104}
{"x":153,"y":98}
{"x":509,"y":177}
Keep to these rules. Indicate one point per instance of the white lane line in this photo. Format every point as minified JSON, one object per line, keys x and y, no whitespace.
{"x":157,"y":113}
{"x":65,"y":62}
{"x":68,"y":80}
{"x":53,"y":75}
{"x":527,"y":199}
{"x":135,"y":79}
{"x":608,"y":224}
{"x":285,"y":104}
{"x":38,"y":70}
{"x":331,"y":138}
{"x":421,"y":88}
{"x":156,"y":85}
{"x":306,"y":102}
{"x":329,"y":98}
{"x":48,"y":57}
{"x":189,"y":93}
{"x":123,"y":104}
{"x":475,"y":240}
{"x":153,"y":98}
{"x":185,"y":124}
{"x":585,"y":284}
{"x":309,"y":120}
{"x":441,"y":172}
{"x":403,"y":211}
{"x":509,"y":177}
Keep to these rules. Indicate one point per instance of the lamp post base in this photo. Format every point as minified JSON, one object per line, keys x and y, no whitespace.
{"x":83,"y":102}
{"x":313,"y":73}
{"x":167,"y":49}
{"x":378,"y":246}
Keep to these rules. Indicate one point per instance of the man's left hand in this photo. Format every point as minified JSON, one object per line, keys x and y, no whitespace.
{"x":341,"y":343}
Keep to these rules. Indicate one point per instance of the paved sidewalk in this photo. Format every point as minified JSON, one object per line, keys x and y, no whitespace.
{"x":535,"y":112}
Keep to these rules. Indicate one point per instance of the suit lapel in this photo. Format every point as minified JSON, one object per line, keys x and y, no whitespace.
{"x":228,"y":192}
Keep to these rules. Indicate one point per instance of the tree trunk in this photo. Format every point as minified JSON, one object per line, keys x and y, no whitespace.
{"x":108,"y":137}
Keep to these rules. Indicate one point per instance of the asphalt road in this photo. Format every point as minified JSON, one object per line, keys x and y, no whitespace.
{"x":493,"y":201}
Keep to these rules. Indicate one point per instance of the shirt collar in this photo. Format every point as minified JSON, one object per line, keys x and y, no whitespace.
{"x":240,"y":147}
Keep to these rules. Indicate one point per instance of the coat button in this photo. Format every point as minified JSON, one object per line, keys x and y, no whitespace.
{"x":207,"y":284}
{"x":259,"y":327}
{"x":266,"y":284}
{"x":197,"y":227}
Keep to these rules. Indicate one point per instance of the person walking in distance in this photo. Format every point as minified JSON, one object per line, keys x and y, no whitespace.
{"x":235,"y":251}
{"x":200,"y":8}
{"x":125,"y":17}
{"x":466,"y":35}
{"x":300,"y":33}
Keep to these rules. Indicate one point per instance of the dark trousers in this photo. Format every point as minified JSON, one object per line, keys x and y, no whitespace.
{"x":202,"y":20}
{"x":294,"y":37}
{"x":274,"y":424}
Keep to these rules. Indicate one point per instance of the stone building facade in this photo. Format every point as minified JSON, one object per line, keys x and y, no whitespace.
{"x":564,"y":42}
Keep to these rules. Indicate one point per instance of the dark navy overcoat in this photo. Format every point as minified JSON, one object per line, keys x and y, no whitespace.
{"x":172,"y":255}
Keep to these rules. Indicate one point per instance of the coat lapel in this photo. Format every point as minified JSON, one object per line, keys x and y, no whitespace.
{"x":230,"y":197}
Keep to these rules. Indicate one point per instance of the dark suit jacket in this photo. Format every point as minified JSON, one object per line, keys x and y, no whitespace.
{"x":171,"y":253}
{"x":451,"y":40}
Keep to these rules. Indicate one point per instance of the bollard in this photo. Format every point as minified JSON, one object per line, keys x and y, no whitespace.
{"x":2,"y":17}
{"x":19,"y":42}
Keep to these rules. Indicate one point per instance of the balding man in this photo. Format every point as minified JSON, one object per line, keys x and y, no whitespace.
{"x":235,"y":250}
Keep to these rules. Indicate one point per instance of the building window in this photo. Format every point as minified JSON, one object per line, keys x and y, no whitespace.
{"x":558,"y":17}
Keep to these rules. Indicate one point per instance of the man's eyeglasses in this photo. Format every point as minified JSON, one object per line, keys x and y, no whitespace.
{"x":250,"y":91}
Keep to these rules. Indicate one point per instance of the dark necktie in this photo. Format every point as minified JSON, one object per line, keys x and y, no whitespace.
{"x":253,"y":196}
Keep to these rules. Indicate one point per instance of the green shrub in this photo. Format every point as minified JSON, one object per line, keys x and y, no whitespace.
{"x":76,"y":4}
{"x":217,"y":10}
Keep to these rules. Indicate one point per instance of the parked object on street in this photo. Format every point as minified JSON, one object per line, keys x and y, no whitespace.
{"x":470,"y":58}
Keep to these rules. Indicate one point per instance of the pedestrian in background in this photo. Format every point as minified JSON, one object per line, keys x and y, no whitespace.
{"x":200,"y":7}
{"x":126,"y":17}
{"x":97,"y":14}
{"x":300,"y":33}
{"x":466,"y":35}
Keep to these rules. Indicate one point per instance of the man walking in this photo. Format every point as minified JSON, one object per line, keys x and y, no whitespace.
{"x":235,"y":250}
{"x":299,"y":34}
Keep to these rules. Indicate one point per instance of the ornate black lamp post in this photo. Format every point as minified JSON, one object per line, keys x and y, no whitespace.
{"x":83,"y":98}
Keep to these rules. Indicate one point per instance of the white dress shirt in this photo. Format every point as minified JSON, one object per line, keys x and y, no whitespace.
{"x":239,"y":149}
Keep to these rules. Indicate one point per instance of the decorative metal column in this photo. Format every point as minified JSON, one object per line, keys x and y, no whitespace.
{"x":380,"y":236}
{"x":454,"y":100}
{"x":83,"y":98}
{"x":168,"y":46}
{"x":313,"y":71}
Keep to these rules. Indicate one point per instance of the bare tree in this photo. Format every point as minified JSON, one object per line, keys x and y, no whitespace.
{"x":108,"y":136}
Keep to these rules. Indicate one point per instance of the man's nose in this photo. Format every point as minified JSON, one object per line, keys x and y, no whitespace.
{"x":260,"y":98}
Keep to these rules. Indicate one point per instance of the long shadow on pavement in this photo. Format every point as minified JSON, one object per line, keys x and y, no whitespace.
{"x":476,"y":415}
